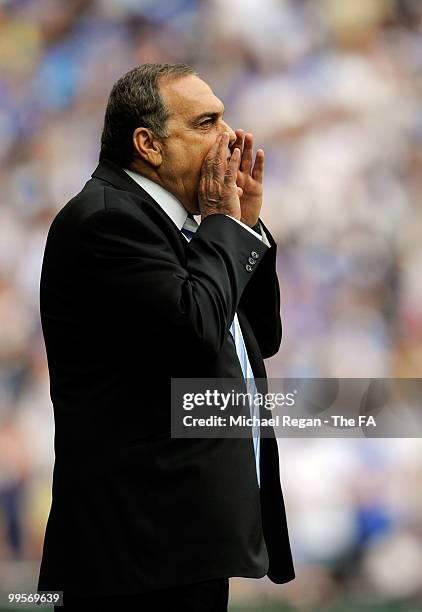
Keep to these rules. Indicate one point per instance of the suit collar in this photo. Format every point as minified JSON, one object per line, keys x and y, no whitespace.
{"x":115,"y":175}
{"x":168,"y":202}
{"x":112,"y":173}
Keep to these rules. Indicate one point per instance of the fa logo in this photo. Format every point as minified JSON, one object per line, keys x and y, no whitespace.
{"x":367,"y":421}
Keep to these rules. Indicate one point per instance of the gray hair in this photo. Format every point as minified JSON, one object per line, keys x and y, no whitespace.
{"x":135,"y":101}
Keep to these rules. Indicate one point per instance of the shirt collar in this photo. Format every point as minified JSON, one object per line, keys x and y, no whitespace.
{"x":168,"y":202}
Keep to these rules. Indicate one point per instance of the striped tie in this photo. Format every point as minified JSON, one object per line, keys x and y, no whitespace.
{"x":189,"y":228}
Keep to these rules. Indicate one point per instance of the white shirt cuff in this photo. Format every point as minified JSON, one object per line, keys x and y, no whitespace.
{"x":262,"y":236}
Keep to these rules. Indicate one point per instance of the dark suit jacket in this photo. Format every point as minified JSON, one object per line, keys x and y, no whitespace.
{"x":126,"y":304}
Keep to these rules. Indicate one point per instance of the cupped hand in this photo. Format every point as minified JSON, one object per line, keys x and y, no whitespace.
{"x":249,"y":178}
{"x":218,"y":192}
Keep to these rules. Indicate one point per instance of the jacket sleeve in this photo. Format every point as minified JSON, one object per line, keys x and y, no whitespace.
{"x":260,"y":302}
{"x":129,"y":264}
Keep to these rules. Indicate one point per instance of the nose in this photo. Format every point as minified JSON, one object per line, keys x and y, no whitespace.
{"x":232,"y":135}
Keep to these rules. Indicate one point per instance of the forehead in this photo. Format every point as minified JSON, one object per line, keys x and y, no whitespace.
{"x":189,"y":96}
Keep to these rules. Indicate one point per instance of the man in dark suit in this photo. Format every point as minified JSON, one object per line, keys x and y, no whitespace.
{"x":133,"y":294}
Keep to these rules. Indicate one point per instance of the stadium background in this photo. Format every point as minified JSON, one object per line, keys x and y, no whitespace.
{"x":331,"y":90}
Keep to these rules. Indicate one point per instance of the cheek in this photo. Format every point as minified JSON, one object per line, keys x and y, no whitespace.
{"x":191,"y":154}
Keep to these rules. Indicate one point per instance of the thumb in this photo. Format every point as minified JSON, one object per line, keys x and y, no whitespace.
{"x":239,"y":192}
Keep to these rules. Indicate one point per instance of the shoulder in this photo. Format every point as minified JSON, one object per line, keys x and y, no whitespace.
{"x":98,"y":200}
{"x":105,"y":215}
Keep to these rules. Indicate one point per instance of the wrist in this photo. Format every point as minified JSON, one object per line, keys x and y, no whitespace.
{"x":226,"y":213}
{"x":253,"y":224}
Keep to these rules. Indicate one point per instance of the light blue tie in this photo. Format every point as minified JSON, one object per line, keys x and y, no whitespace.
{"x":189,"y":228}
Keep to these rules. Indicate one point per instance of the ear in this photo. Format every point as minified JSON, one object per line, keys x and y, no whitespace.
{"x":147,"y":146}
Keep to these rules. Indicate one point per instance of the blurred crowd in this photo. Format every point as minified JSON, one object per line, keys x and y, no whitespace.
{"x":331,"y":90}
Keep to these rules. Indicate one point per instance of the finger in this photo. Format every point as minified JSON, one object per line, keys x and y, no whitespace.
{"x":213,"y":150}
{"x":239,"y":191}
{"x":217,"y":148}
{"x":216,"y":157}
{"x":233,"y":167}
{"x":240,"y":178}
{"x":240,"y":136}
{"x":246,"y":164}
{"x":258,"y":168}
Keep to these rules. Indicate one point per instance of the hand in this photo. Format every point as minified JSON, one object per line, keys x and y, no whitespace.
{"x":218,"y":192}
{"x":249,"y":178}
